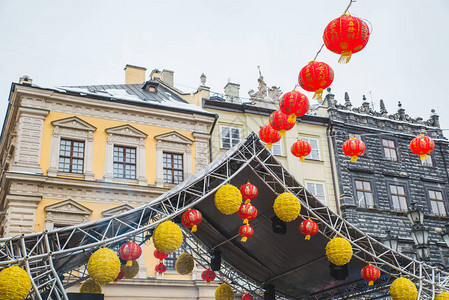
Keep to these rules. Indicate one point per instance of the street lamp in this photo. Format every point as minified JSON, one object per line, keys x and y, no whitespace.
{"x":445,"y":235}
{"x":390,"y":241}
{"x":419,"y":232}
{"x":415,"y":214}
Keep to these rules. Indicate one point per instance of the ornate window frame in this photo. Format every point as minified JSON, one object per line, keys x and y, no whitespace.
{"x":129,"y":136}
{"x":66,"y":213}
{"x":72,"y":128}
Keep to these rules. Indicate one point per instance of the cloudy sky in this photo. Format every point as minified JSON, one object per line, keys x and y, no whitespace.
{"x":89,"y":42}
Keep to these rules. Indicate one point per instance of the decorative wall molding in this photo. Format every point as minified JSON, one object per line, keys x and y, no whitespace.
{"x":66,"y":213}
{"x":116,"y":210}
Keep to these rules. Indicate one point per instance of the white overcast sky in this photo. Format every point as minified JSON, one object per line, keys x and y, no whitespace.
{"x":89,"y":42}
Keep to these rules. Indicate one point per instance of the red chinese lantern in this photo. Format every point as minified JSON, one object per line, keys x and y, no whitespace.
{"x":309,"y":228}
{"x":301,"y":149}
{"x":268,"y":135}
{"x":346,"y":35}
{"x":246,"y":231}
{"x":191,"y":218}
{"x":294,"y":104}
{"x":247,"y":212}
{"x":160,"y":255}
{"x":354,"y":148}
{"x":208,"y":276}
{"x":370,"y":273}
{"x":315,"y":77}
{"x":129,"y":251}
{"x":160,"y":268}
{"x":247,"y":297}
{"x":279,"y":122}
{"x":249,"y":192}
{"x":422,"y":145}
{"x":119,"y":276}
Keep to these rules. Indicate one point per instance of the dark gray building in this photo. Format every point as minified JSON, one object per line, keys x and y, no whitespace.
{"x":377,"y":191}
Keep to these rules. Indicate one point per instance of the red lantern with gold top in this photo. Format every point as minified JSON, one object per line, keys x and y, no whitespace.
{"x":247,"y":212}
{"x":247,"y":297}
{"x":346,"y":35}
{"x":246,"y":231}
{"x":294,"y":104}
{"x":370,"y":273}
{"x":315,"y":77}
{"x":422,"y":145}
{"x":268,"y":135}
{"x":160,"y":255}
{"x":208,"y":276}
{"x":354,"y":148}
{"x":191,"y":218}
{"x":129,"y":251}
{"x":279,"y":122}
{"x":119,"y":276}
{"x":301,"y":149}
{"x":160,"y":268}
{"x":309,"y":228}
{"x":249,"y":192}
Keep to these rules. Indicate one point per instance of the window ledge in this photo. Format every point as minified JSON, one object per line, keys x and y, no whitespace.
{"x":125,"y":180}
{"x":170,"y":185}
{"x":68,"y":174}
{"x":314,"y":160}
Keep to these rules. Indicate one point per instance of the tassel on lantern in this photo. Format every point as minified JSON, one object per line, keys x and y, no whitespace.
{"x":291,"y":118}
{"x":269,"y":145}
{"x":282,"y":133}
{"x":302,"y":158}
{"x":354,"y":158}
{"x":345,"y":57}
{"x":244,"y":239}
{"x":194,"y":228}
{"x":245,"y":221}
{"x":423,"y":156}
{"x":307,"y":237}
{"x":129,"y":263}
{"x":318,"y":94}
{"x":247,"y":201}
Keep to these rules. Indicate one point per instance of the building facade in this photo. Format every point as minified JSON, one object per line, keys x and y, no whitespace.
{"x":377,"y":191}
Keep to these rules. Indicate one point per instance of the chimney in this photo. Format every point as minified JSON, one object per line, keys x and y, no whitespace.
{"x":25,"y":79}
{"x":232,"y":90}
{"x":134,"y":74}
{"x":167,"y":76}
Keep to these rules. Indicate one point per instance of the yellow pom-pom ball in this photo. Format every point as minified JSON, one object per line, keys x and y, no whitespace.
{"x":224,"y":292}
{"x":287,"y":207}
{"x":90,"y":286}
{"x":15,"y":283}
{"x":103,"y":265}
{"x":167,"y":237}
{"x":130,"y":271}
{"x":442,"y":296}
{"x":184,"y":264}
{"x":339,"y":251}
{"x":228,"y":199}
{"x":403,"y":289}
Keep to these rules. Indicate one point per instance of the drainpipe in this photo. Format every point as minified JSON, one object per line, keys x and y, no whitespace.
{"x":210,"y":140}
{"x":332,"y":167}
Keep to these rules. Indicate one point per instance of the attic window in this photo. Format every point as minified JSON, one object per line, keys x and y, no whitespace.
{"x":151,"y":86}
{"x":152,"y":89}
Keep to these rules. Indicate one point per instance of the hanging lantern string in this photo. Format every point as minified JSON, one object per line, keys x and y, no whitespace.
{"x":318,"y":52}
{"x":349,"y":5}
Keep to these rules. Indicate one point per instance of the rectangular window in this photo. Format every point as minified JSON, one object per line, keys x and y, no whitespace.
{"x":315,"y":153}
{"x":171,"y":259}
{"x":173,"y":168}
{"x":276,"y":149}
{"x":317,"y":189}
{"x":124,"y":162}
{"x":71,"y":156}
{"x":364,"y":193}
{"x":427,"y":162}
{"x":389,"y":150}
{"x":355,"y":135}
{"x":437,"y":203}
{"x":398,"y":197}
{"x":446,"y":260}
{"x":230,"y":136}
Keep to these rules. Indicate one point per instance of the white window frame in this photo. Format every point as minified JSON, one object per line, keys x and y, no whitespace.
{"x":428,"y":162}
{"x":281,"y":152}
{"x":230,"y":136}
{"x":314,"y":192}
{"x":308,"y":139}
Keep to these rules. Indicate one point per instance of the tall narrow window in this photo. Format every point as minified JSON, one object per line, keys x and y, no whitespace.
{"x":124,"y":162}
{"x":276,"y":149}
{"x":317,"y":189}
{"x":71,"y":156}
{"x":389,"y":150}
{"x":230,"y":136}
{"x":315,"y":153}
{"x":171,"y":259}
{"x":398,"y":197}
{"x":173,"y":168}
{"x":437,"y":203}
{"x":428,"y":161}
{"x":364,"y":193}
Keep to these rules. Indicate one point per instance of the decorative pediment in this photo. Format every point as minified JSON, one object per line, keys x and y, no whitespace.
{"x":126,"y":130}
{"x":173,"y":137}
{"x":68,"y":207}
{"x":116,"y":210}
{"x":74,"y":123}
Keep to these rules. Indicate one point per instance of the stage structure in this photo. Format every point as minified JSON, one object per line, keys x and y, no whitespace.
{"x":294,"y":267}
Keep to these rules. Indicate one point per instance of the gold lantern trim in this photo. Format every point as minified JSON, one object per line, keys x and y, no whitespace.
{"x":184,"y":264}
{"x":103,"y":265}
{"x":15,"y":283}
{"x":339,"y":251}
{"x":224,"y":292}
{"x":403,"y":289}
{"x":167,"y":237}
{"x":228,"y":199}
{"x":442,"y":296}
{"x":130,"y":272}
{"x":287,"y":207}
{"x":90,"y":286}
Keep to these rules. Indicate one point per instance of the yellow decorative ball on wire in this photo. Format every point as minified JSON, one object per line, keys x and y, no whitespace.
{"x":339,"y":251}
{"x":224,"y":292}
{"x":403,"y":289}
{"x":90,"y":286}
{"x":103,"y":265}
{"x":15,"y":283}
{"x":130,"y":271}
{"x":228,"y":199}
{"x":184,"y":264}
{"x":167,"y":237}
{"x":442,"y":296}
{"x":287,"y":207}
